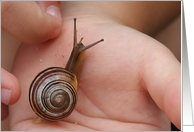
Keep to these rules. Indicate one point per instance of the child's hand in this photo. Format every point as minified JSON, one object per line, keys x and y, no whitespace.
{"x":127,"y":82}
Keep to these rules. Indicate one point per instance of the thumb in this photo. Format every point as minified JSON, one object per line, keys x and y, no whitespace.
{"x":31,"y":22}
{"x":162,"y":77}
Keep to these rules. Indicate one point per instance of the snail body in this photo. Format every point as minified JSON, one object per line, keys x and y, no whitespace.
{"x":52,"y":93}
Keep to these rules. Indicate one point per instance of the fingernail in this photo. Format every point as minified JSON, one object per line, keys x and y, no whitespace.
{"x":56,"y":33}
{"x":5,"y":95}
{"x":55,"y":11}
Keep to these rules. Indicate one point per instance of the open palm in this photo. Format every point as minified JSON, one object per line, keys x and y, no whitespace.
{"x":126,"y":81}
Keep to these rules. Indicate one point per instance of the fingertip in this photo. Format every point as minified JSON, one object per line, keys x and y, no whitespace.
{"x":53,"y":14}
{"x":37,"y":26}
{"x":52,"y":29}
{"x":162,"y":76}
{"x":15,"y":91}
{"x":54,"y":11}
{"x":172,"y":101}
{"x":10,"y":88}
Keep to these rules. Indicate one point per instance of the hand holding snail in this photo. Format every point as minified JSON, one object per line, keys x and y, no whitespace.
{"x":118,"y":81}
{"x":52,"y":93}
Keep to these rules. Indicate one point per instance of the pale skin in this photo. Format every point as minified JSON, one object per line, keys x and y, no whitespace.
{"x":23,"y":27}
{"x":128,"y":82}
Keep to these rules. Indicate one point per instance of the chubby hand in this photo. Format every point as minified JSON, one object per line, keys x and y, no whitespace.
{"x":128,"y":82}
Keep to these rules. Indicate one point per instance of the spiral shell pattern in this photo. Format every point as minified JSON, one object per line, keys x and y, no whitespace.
{"x":53,"y":93}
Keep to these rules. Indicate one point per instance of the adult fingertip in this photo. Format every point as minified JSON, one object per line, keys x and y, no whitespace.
{"x":10,"y":88}
{"x":36,"y":25}
{"x":5,"y":95}
{"x":15,"y":92}
{"x":54,"y":11}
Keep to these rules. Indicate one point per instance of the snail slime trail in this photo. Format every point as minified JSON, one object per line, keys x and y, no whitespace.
{"x":53,"y":92}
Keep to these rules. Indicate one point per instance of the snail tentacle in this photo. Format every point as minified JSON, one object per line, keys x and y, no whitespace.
{"x":52,"y":93}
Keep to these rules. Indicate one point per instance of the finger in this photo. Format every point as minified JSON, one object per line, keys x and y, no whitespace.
{"x":4,"y":111}
{"x":29,"y":22}
{"x":10,"y":88}
{"x":162,"y":78}
{"x":45,"y":4}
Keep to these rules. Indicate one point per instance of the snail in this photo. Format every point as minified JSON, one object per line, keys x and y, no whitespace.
{"x":52,"y":94}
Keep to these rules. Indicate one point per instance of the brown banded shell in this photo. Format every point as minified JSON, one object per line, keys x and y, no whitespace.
{"x":53,"y":93}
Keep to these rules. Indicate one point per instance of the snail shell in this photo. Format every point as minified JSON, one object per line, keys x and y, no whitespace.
{"x":52,"y":93}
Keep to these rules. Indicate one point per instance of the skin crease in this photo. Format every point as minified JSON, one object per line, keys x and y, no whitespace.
{"x":127,"y":82}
